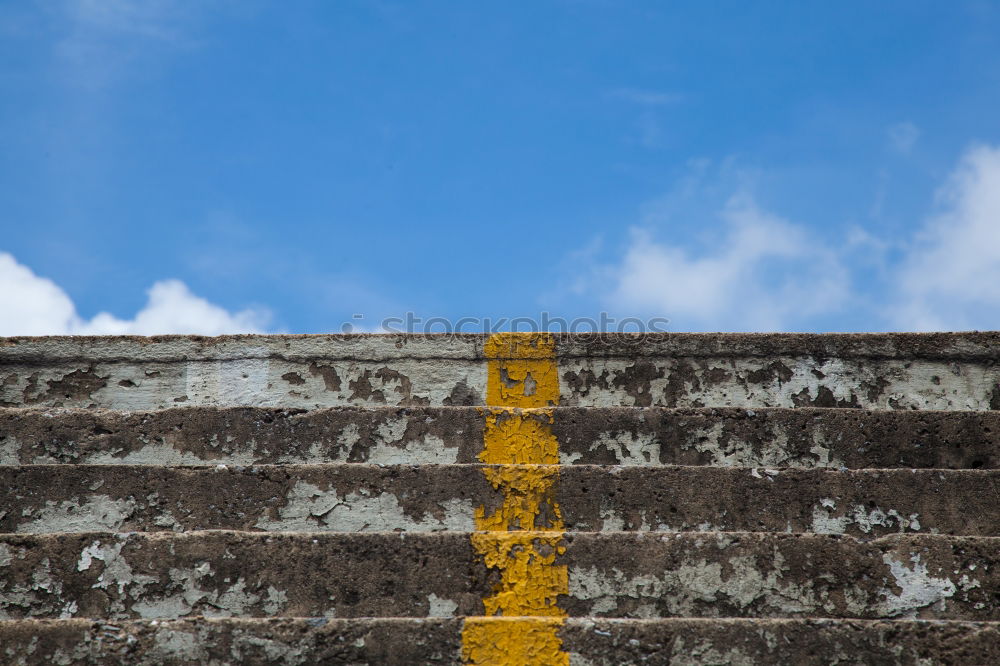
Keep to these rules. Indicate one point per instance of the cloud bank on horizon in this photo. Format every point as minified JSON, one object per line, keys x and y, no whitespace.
{"x":764,"y":274}
{"x":33,"y":305}
{"x":767,"y":273}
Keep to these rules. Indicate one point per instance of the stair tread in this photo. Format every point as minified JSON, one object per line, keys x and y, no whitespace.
{"x":186,"y":499}
{"x":623,"y":574}
{"x":899,"y":371}
{"x":411,"y":641}
{"x":774,"y":437}
{"x":370,"y":498}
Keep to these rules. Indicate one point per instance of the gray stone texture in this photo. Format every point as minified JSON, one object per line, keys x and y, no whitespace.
{"x":727,"y":499}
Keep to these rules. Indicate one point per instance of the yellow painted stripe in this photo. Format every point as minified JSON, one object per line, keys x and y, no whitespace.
{"x":519,"y":437}
{"x":521,"y":370}
{"x":521,"y":640}
{"x":529,"y":579}
{"x":524,"y":535}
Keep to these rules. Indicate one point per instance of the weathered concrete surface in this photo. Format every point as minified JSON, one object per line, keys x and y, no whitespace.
{"x":886,"y":371}
{"x":167,"y":348}
{"x":232,"y":641}
{"x":777,"y":437}
{"x":307,"y":521}
{"x":416,"y":575}
{"x":685,"y":642}
{"x":766,"y":575}
{"x":367,"y":498}
{"x":266,"y":382}
{"x":242,"y":436}
{"x":771,"y":437}
{"x":342,"y":498}
{"x":864,"y":503}
{"x":226,"y":574}
{"x":396,"y":641}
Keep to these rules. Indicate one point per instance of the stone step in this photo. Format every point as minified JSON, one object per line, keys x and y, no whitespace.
{"x":948,"y":371}
{"x":370,"y":498}
{"x":772,"y":437}
{"x":632,"y":575}
{"x":590,"y":642}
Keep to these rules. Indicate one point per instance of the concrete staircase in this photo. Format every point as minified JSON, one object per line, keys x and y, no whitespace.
{"x":507,"y":499}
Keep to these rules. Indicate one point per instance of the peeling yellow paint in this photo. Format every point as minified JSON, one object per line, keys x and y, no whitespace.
{"x":520,"y":345}
{"x":521,"y":370}
{"x":522,"y":640}
{"x":519,"y":437}
{"x":524,"y":535}
{"x":529,"y":501}
{"x":530,"y":581}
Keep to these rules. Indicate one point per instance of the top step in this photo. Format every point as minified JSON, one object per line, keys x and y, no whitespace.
{"x":942,"y":371}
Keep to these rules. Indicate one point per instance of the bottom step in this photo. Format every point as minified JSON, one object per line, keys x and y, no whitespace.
{"x":613,"y":574}
{"x":418,"y":641}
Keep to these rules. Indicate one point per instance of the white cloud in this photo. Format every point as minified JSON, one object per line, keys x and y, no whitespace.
{"x":33,"y":305}
{"x":950,"y":278}
{"x":767,"y":273}
{"x":763,"y":274}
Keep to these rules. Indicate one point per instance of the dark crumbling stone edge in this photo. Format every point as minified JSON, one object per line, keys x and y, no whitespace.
{"x":855,"y":438}
{"x":973,"y":345}
{"x":438,"y":640}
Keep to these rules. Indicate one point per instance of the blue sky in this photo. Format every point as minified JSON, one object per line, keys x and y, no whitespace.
{"x":218,"y":166}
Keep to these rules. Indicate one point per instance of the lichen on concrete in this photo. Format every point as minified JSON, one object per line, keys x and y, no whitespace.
{"x":95,"y":513}
{"x":309,"y":508}
{"x":917,"y":588}
{"x":827,"y":520}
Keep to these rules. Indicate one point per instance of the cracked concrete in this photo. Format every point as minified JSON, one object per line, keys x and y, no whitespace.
{"x":797,"y":499}
{"x":622,"y":574}
{"x":800,"y":437}
{"x":310,"y":508}
{"x":884,"y":371}
{"x":372,"y":498}
{"x":602,"y":642}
